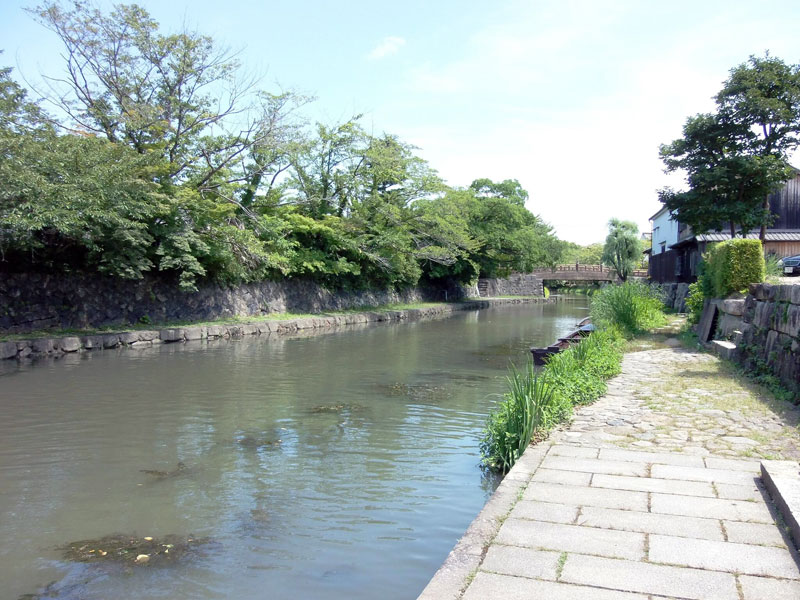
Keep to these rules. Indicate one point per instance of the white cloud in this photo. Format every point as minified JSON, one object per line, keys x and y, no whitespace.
{"x":387,"y":47}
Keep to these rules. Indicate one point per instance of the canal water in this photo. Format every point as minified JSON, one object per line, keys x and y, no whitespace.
{"x":341,"y":465}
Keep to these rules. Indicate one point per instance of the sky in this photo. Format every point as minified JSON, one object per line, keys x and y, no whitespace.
{"x":572,"y":98}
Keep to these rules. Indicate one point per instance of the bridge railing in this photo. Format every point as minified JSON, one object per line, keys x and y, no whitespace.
{"x":577,"y":267}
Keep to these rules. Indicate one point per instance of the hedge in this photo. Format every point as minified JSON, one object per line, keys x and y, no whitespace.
{"x":731,"y":266}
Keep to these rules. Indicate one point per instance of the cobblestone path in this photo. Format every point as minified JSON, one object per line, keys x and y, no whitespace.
{"x":687,"y":401}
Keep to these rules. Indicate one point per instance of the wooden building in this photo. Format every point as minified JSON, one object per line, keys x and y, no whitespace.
{"x":677,"y":261}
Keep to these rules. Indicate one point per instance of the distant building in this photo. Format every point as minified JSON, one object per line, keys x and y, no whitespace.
{"x":676,"y":250}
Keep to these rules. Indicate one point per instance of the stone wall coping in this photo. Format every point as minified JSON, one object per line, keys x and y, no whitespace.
{"x":53,"y":346}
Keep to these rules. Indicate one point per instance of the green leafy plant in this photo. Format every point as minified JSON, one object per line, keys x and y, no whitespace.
{"x":732,"y":265}
{"x":633,"y":307}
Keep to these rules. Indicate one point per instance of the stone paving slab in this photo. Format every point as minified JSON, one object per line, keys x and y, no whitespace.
{"x":644,"y":522}
{"x":710,"y":508}
{"x":586,"y":496}
{"x":704,"y":474}
{"x":589,"y":465}
{"x":763,"y":588}
{"x":522,"y":562}
{"x":546,"y":511}
{"x":491,"y":586}
{"x":657,"y":458}
{"x":723,"y":556}
{"x":571,"y":538}
{"x":758,"y":534}
{"x":563,"y":477}
{"x":629,"y":576}
{"x":651,"y":484}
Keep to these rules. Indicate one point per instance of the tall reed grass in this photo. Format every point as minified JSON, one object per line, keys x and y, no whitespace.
{"x":536,"y":401}
{"x":633,"y":307}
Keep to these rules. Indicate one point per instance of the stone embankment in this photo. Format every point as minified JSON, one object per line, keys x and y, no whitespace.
{"x":674,"y":295}
{"x":760,"y":331}
{"x":53,"y":346}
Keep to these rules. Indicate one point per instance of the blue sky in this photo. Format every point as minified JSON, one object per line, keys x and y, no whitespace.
{"x":570,"y":97}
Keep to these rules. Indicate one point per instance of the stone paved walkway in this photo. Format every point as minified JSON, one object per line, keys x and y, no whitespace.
{"x":679,"y":400}
{"x":651,"y":493}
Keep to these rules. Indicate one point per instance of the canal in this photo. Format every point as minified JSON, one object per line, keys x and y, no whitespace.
{"x":340,"y":465}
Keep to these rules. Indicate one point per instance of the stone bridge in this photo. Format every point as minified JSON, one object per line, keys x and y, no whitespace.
{"x":578,"y":272}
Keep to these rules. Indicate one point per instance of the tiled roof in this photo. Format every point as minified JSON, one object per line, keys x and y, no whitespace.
{"x":786,"y":235}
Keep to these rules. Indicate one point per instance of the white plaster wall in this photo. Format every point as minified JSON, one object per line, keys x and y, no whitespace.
{"x":664,"y":230}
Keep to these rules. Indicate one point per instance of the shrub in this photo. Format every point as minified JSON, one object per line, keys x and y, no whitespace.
{"x":733,"y":265}
{"x":632,"y":307}
{"x":694,"y":302}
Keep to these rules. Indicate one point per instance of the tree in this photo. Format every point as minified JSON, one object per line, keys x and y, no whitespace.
{"x":622,"y":250}
{"x":727,"y":184}
{"x":763,"y":95}
{"x":735,"y":158}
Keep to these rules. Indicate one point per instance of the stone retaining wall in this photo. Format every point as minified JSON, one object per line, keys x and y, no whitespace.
{"x":771,"y":333}
{"x":514,"y":285}
{"x":56,"y":346}
{"x":30,"y":302}
{"x":674,"y":295}
{"x":761,"y":331}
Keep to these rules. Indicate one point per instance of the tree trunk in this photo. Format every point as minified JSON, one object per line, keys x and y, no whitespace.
{"x":762,"y":235}
{"x":733,"y":230}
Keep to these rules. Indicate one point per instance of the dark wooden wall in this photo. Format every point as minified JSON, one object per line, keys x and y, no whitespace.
{"x":785,"y":204}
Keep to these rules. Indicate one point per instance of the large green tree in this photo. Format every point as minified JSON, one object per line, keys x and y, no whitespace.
{"x":736,"y":157}
{"x":623,"y":248}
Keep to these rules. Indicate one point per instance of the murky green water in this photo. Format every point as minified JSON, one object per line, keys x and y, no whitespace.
{"x":375,"y":477}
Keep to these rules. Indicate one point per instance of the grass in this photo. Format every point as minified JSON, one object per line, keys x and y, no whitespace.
{"x":232,"y":320}
{"x":633,"y":307}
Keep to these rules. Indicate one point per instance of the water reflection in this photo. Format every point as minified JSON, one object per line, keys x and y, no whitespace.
{"x":336,"y":466}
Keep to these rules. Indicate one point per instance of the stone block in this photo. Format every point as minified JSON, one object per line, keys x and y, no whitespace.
{"x":92,"y":342}
{"x":733,"y":306}
{"x":128,"y":337}
{"x":723,"y":556}
{"x":171,"y":335}
{"x":710,"y":508}
{"x":249,"y":329}
{"x":795,"y":297}
{"x":724,"y":349}
{"x":192,"y":334}
{"x":587,"y":496}
{"x":42,"y":345}
{"x":644,"y":522}
{"x":23,"y":349}
{"x":69,"y":344}
{"x":647,"y":578}
{"x":8,"y":350}
{"x":733,"y":464}
{"x":147,"y":335}
{"x":214,"y":331}
{"x":235,"y":331}
{"x":493,"y":586}
{"x":787,"y":319}
{"x":110,"y":341}
{"x":707,"y":319}
{"x":782,"y":480}
{"x":571,"y":538}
